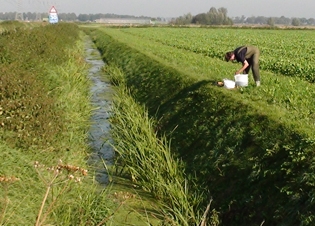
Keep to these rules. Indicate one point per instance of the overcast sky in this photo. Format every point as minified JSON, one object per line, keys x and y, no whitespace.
{"x":167,"y":8}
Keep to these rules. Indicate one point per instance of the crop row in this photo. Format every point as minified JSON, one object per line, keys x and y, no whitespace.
{"x":292,"y":96}
{"x":287,"y":52}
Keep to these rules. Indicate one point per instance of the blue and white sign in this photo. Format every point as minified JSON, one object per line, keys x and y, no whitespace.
{"x":53,"y":16}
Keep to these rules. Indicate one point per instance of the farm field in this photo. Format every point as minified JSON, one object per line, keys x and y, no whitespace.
{"x":251,"y":147}
{"x":287,"y":52}
{"x":287,"y":56}
{"x":183,"y":145}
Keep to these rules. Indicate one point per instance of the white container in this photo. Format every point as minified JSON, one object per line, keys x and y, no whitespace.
{"x":241,"y":80}
{"x":229,"y":84}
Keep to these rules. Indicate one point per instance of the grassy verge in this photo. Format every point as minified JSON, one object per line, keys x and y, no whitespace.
{"x":44,"y":177}
{"x":148,"y":161}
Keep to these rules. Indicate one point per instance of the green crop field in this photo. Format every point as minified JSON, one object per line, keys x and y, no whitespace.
{"x":250,"y":148}
{"x":287,"y":69}
{"x":287,"y":52}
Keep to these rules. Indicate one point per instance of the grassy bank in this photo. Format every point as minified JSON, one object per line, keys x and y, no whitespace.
{"x":45,"y":109}
{"x":246,"y":152}
{"x":148,"y":161}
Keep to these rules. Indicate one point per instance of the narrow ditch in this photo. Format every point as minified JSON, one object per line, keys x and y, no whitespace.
{"x":99,"y":134}
{"x":139,"y":207}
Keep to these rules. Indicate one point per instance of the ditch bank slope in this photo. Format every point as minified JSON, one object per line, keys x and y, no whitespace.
{"x":254,"y":162}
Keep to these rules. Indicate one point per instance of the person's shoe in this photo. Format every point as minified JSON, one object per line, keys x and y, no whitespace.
{"x":257,"y":83}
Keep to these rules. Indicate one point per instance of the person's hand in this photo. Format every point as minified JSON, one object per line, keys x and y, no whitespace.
{"x":236,"y":73}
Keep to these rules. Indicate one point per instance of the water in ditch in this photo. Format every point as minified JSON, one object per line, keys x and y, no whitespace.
{"x":141,"y":203}
{"x":99,"y":136}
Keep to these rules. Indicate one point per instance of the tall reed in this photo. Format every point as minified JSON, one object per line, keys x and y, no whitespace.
{"x":148,"y":158}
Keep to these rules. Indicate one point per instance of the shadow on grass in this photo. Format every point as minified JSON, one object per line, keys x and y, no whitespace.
{"x":138,"y":207}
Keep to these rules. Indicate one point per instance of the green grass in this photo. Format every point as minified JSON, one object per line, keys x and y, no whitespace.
{"x":238,"y":143}
{"x":43,"y":195}
{"x":133,"y":205}
{"x":46,"y":183}
{"x":148,"y":159}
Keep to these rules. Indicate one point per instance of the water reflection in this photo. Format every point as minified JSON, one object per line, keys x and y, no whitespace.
{"x":99,"y":137}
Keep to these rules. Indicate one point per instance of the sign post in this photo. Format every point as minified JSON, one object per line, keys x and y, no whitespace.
{"x":53,"y":16}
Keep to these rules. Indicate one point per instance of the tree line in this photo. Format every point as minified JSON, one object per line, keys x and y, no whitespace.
{"x":219,"y":17}
{"x":273,"y":20}
{"x":35,"y":16}
{"x":212,"y":17}
{"x":68,"y":16}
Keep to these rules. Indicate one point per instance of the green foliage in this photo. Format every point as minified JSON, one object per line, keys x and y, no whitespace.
{"x":286,"y":52}
{"x":296,"y":22}
{"x":213,"y":17}
{"x":184,"y":20}
{"x":44,"y":114}
{"x":29,"y":115}
{"x":146,"y":157}
{"x":60,"y":179}
{"x":249,"y":147}
{"x":271,"y":21}
{"x":11,"y":26}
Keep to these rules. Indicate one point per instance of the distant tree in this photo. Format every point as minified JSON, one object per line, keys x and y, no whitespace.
{"x":303,"y":20}
{"x":239,"y":20}
{"x":182,"y":20}
{"x":222,"y":16}
{"x":72,"y":17}
{"x":200,"y":18}
{"x":271,"y":22}
{"x":296,"y":22}
{"x":29,"y":16}
{"x":213,"y":17}
{"x":250,"y":20}
{"x":93,"y":17}
{"x":8,"y":16}
{"x":83,"y":17}
{"x":67,"y":16}
{"x":260,"y":20}
{"x":311,"y":21}
{"x":283,"y":20}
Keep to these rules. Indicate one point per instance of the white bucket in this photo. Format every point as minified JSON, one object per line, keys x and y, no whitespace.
{"x":241,"y":80}
{"x":229,"y":84}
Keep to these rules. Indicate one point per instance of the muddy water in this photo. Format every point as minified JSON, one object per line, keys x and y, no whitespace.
{"x":99,"y":137}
